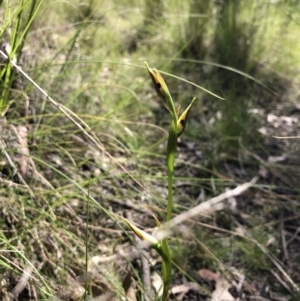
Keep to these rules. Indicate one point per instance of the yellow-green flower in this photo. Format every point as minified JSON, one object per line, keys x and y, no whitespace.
{"x":144,"y":235}
{"x":161,"y":88}
{"x":181,"y":121}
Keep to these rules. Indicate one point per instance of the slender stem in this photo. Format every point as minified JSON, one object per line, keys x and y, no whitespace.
{"x":171,"y":152}
{"x":166,"y":268}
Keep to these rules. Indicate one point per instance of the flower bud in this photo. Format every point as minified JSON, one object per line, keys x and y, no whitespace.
{"x":181,"y":122}
{"x":144,"y":235}
{"x":161,"y":88}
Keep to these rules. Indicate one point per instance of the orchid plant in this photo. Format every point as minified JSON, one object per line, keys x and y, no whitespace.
{"x":177,"y":127}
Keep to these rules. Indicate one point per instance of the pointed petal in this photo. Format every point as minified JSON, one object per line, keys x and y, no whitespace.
{"x":143,"y":235}
{"x":160,"y":87}
{"x":181,"y":122}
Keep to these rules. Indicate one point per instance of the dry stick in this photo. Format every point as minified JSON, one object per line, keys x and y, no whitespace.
{"x":284,"y":246}
{"x":15,"y":292}
{"x":72,"y":117}
{"x":281,"y":281}
{"x":203,"y":208}
{"x":287,"y":137}
{"x":207,"y":206}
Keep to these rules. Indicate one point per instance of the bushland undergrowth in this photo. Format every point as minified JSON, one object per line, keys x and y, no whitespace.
{"x":75,"y":164}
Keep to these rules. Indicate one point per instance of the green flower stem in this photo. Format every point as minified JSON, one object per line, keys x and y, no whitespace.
{"x":171,"y":153}
{"x":166,"y":269}
{"x":176,"y":129}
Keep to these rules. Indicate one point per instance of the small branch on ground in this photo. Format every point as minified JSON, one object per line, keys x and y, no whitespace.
{"x":23,"y":281}
{"x":206,"y":207}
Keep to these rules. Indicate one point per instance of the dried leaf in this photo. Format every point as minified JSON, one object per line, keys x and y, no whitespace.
{"x":127,"y":286}
{"x":131,"y":296}
{"x":221,"y":292}
{"x":157,"y":283}
{"x":206,"y":274}
{"x":182,"y":289}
